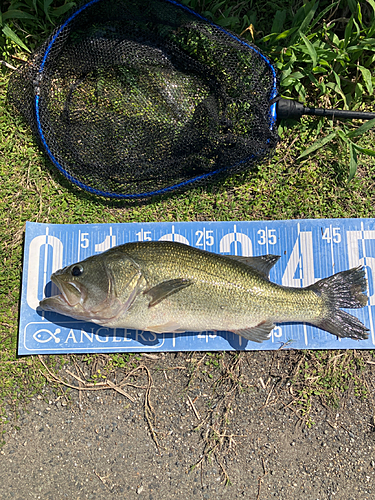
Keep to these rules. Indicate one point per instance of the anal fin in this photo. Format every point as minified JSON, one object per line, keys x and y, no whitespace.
{"x":258,"y":333}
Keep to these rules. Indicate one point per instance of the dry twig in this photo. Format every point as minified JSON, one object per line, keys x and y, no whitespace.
{"x":86,"y":386}
{"x":261,"y":479}
{"x":193,"y":407}
{"x":149,"y":410}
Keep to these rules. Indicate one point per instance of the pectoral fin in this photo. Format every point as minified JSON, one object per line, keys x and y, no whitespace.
{"x":166,"y":288}
{"x":257,"y":333}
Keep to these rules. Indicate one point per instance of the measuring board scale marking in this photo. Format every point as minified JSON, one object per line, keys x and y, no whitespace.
{"x":309,"y":250}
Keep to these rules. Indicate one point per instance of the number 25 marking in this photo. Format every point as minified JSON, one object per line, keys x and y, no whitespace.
{"x":206,"y":236}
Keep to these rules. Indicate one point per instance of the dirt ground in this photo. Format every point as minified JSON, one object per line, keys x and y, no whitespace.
{"x":172,"y":431}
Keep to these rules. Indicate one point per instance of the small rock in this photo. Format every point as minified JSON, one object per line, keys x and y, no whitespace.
{"x":139,"y":489}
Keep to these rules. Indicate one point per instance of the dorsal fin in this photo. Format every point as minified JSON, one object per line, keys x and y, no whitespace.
{"x":263,"y":264}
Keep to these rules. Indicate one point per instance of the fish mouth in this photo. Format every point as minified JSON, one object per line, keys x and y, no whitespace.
{"x":71,"y":293}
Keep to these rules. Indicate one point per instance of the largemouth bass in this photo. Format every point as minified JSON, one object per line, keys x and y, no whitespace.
{"x":171,"y":287}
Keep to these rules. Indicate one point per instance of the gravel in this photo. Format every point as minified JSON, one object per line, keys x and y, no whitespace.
{"x":99,"y":445}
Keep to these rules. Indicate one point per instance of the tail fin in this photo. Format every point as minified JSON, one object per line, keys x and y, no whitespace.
{"x":345,"y":289}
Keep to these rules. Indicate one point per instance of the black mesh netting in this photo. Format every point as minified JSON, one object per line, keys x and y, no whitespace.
{"x":133,"y":98}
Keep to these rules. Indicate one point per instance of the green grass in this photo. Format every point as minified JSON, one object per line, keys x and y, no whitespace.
{"x":314,"y":186}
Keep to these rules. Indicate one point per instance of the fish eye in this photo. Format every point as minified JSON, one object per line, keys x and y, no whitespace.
{"x":77,"y":270}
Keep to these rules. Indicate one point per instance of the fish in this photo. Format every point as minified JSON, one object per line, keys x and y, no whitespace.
{"x":166,"y":286}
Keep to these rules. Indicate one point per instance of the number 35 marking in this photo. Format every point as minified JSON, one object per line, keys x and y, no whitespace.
{"x":267,"y":235}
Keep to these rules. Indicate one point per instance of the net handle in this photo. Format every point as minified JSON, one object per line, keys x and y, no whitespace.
{"x":287,"y":108}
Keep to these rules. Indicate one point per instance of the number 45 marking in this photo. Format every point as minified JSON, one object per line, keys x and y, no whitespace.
{"x":332,"y":234}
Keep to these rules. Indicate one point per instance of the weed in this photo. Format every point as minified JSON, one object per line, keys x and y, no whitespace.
{"x":327,"y":376}
{"x":214,"y":426}
{"x":322,"y":54}
{"x":26,"y":23}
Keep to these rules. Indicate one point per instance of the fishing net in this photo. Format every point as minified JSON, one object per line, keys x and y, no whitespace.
{"x":135,"y":98}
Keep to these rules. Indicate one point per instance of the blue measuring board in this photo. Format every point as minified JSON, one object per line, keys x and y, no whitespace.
{"x":309,"y":250}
